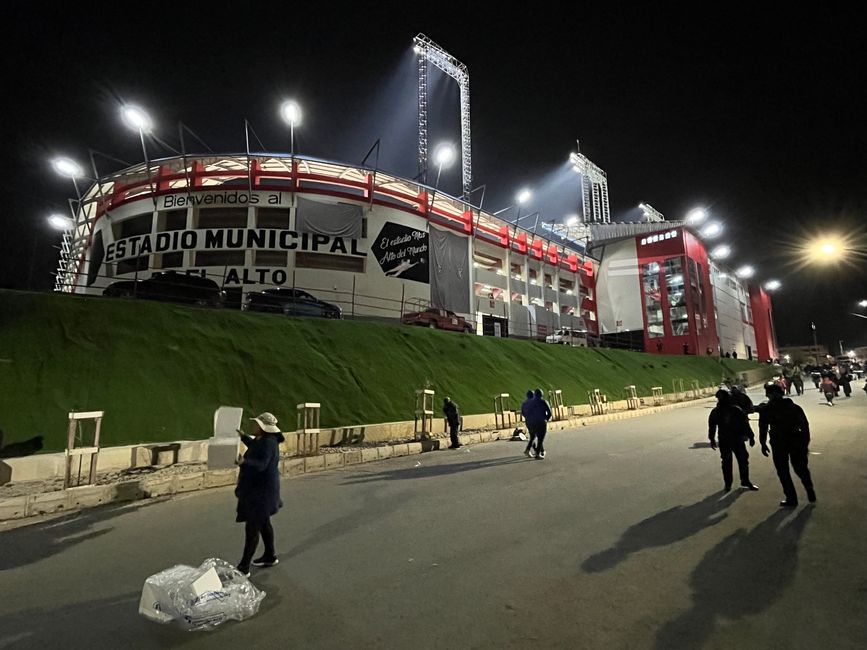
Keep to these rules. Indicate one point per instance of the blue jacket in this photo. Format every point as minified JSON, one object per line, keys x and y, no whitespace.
{"x":536,"y":412}
{"x":258,"y":488}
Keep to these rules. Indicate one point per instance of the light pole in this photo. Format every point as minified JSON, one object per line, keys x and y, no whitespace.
{"x":444,"y":155}
{"x":136,"y":119}
{"x":290,"y":111}
{"x":815,"y":343}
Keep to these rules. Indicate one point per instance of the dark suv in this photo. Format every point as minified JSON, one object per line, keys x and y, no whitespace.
{"x":170,"y":286}
{"x":290,"y":302}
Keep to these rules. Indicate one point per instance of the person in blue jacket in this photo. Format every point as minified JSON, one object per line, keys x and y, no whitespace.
{"x":526,"y":407}
{"x":537,"y":414}
{"x":258,"y":490}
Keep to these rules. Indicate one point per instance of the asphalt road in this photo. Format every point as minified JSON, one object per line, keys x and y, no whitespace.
{"x":621,"y":538}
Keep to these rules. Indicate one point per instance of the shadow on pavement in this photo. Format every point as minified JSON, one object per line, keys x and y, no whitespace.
{"x":661,"y":529}
{"x":741,"y":576}
{"x":28,"y":544}
{"x":424,"y":471}
{"x":700,"y":445}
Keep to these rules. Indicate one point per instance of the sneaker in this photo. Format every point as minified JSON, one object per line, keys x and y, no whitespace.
{"x":727,"y":489}
{"x":244,"y":571}
{"x":530,"y":453}
{"x":541,"y":455}
{"x":266,"y":561}
{"x":788,"y":504}
{"x":750,"y":486}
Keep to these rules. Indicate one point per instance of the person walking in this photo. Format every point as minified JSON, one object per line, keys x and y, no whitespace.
{"x":526,"y":413}
{"x":734,"y":430}
{"x":453,"y":418}
{"x":790,"y":441}
{"x":540,"y":413}
{"x":829,"y":388}
{"x":846,"y":382}
{"x":258,"y":490}
{"x":798,"y":379}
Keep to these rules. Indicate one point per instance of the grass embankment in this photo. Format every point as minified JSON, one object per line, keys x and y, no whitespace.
{"x":159,"y":371}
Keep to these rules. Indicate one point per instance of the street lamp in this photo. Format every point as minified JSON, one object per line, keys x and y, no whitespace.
{"x":696,"y":216}
{"x":67,"y":167}
{"x":772,"y":285}
{"x":721,"y":252}
{"x":60,"y":222}
{"x":290,"y":111}
{"x":572,"y":220}
{"x":745,"y":272}
{"x":863,"y":303}
{"x":444,"y":155}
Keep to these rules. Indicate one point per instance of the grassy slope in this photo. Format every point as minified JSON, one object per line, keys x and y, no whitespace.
{"x":159,"y":371}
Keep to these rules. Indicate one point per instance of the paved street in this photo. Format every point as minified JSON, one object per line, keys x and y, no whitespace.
{"x":621,"y":538}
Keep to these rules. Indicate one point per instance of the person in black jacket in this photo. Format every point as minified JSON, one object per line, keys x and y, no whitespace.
{"x":258,"y":490}
{"x":790,"y":440}
{"x":453,"y":418}
{"x":734,"y":429}
{"x":742,"y":400}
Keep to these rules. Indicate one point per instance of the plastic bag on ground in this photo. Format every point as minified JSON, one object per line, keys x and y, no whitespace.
{"x":199,"y":598}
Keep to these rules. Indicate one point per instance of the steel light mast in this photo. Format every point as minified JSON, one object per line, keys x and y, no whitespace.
{"x":428,"y":51}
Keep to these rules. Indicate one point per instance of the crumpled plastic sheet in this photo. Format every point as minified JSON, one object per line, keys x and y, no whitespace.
{"x":169,"y":596}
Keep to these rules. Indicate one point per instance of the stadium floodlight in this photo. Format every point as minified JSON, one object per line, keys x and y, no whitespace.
{"x":772,"y":285}
{"x":60,"y":222}
{"x":67,"y":167}
{"x":444,"y":155}
{"x":863,"y":303}
{"x":745,"y":272}
{"x":572,"y":220}
{"x":290,"y":111}
{"x":721,"y":252}
{"x":711,"y":230}
{"x":136,"y":118}
{"x":650,"y":214}
{"x":523,"y":196}
{"x":696,"y":216}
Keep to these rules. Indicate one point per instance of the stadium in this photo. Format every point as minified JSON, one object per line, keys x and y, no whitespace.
{"x":355,"y":241}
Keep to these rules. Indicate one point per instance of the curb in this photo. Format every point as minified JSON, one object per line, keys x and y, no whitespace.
{"x":90,"y":496}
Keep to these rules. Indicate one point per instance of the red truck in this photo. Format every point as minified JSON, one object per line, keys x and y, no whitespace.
{"x":434,"y":318}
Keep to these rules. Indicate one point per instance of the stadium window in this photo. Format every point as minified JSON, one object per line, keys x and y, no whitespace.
{"x":219,"y":258}
{"x":169,"y":260}
{"x":133,"y":265}
{"x":172,"y":220}
{"x":140,"y":225}
{"x":270,"y":258}
{"x":272,"y":218}
{"x":329,"y":262}
{"x":221,"y":218}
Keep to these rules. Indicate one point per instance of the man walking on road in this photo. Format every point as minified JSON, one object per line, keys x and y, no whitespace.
{"x":734,"y":430}
{"x":537,"y":415}
{"x":790,"y":441}
{"x":526,"y":410}
{"x":453,"y":418}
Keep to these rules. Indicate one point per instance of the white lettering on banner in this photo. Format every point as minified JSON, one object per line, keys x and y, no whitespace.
{"x":232,"y":239}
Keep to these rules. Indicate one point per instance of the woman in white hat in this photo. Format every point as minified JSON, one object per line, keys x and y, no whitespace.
{"x":258,"y":490}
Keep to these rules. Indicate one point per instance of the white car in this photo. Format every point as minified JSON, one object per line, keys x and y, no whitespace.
{"x":565,"y":336}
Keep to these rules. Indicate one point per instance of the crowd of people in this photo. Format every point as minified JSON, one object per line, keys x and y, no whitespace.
{"x":828,"y":379}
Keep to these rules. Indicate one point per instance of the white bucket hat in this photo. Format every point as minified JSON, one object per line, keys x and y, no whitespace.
{"x":267,"y":422}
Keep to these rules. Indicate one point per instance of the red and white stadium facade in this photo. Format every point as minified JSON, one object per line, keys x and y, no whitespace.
{"x":372,"y":243}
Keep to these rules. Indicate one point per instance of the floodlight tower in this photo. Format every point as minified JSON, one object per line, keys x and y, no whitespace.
{"x":651,"y":214}
{"x":428,"y":51}
{"x":594,"y":189}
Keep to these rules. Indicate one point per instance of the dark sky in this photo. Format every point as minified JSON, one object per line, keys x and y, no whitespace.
{"x":757,"y":115}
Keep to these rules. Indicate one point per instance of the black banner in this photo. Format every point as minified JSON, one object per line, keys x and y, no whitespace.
{"x":403,"y":252}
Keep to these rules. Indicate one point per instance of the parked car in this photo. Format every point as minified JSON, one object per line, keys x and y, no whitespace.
{"x":170,"y":286}
{"x":290,"y":302}
{"x":434,"y":318}
{"x":566,"y":336}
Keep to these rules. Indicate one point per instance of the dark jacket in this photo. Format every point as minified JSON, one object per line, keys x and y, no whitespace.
{"x":450,"y":410}
{"x":785,"y":421}
{"x":258,"y":488}
{"x":732,"y":423}
{"x":743,"y":401}
{"x":536,"y":412}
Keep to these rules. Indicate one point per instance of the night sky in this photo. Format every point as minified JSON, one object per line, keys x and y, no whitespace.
{"x":758,"y":117}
